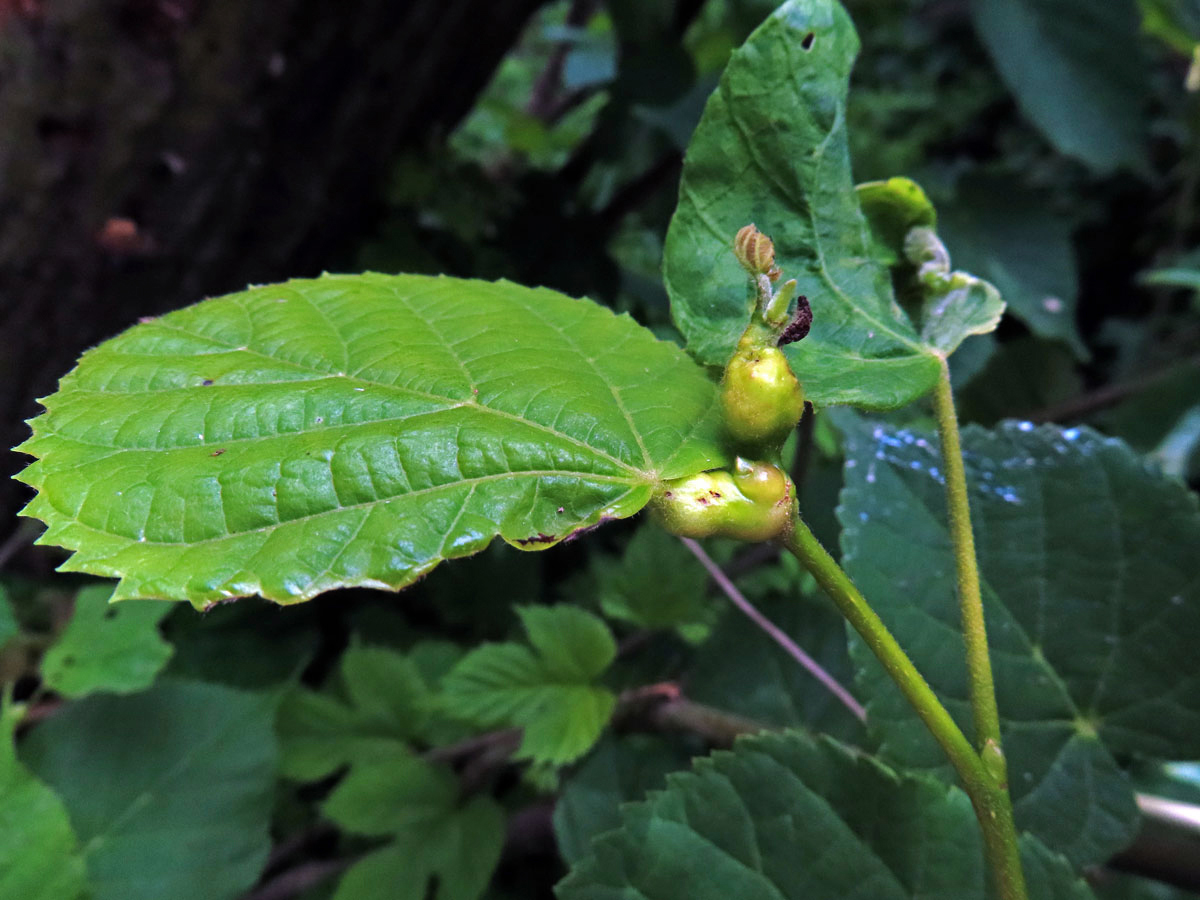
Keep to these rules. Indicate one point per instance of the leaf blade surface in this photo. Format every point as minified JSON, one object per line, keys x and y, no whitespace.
{"x":771,"y":149}
{"x":1089,"y":580}
{"x":356,"y":430}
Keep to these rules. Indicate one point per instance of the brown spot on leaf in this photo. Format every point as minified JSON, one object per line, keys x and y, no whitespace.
{"x":539,"y":538}
{"x":217,"y":452}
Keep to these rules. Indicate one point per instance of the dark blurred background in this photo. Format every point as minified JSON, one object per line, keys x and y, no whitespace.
{"x":155,"y":152}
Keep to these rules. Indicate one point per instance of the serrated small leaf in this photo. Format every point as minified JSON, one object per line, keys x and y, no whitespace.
{"x":107,"y":647}
{"x":39,"y":854}
{"x":771,"y":149}
{"x":550,"y":694}
{"x":572,"y":643}
{"x":357,"y":430}
{"x":1090,"y":581}
{"x":169,"y":790}
{"x":787,"y":817}
{"x":387,"y":707}
{"x":655,"y":583}
{"x":435,"y":835}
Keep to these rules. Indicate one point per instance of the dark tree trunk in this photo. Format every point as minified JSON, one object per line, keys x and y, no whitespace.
{"x":154,"y":152}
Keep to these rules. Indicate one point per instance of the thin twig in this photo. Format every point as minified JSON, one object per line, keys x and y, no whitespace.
{"x":1109,"y":394}
{"x":789,"y":646}
{"x":22,"y":536}
{"x":295,"y":882}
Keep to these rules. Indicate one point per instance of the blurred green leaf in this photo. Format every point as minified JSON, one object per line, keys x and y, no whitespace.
{"x":1077,"y":70}
{"x":39,"y":854}
{"x":741,"y":668}
{"x":170,"y":790}
{"x":1177,"y":22}
{"x":435,"y":834}
{"x":617,"y":771}
{"x":1091,"y":587}
{"x":894,"y":208}
{"x":1022,"y":377}
{"x":107,"y":647}
{"x":655,"y":583}
{"x":357,"y":430}
{"x":998,"y":230}
{"x":247,"y":645}
{"x":548,"y":691}
{"x":9,"y":626}
{"x":387,"y":706}
{"x":1178,"y":452}
{"x":787,"y":817}
{"x":771,"y":149}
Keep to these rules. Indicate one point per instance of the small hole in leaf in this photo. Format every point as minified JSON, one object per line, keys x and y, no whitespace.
{"x":110,"y":613}
{"x":808,"y":41}
{"x":68,"y":661}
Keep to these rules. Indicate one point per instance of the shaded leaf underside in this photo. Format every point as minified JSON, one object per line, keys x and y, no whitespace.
{"x":356,"y":430}
{"x":1092,"y":596}
{"x":786,"y":817}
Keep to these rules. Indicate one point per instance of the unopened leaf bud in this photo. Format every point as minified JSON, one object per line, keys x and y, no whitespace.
{"x":755,"y":252}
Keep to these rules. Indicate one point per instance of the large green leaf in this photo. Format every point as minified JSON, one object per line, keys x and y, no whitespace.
{"x":787,"y":817}
{"x":771,"y":149}
{"x":356,"y":430}
{"x":39,"y":854}
{"x":549,"y":690}
{"x":1077,"y":70}
{"x":435,"y":833}
{"x":1092,"y":594}
{"x":170,"y":790}
{"x":107,"y":647}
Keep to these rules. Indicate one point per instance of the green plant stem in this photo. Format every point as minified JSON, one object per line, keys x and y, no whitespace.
{"x":989,"y":796}
{"x":981,"y":686}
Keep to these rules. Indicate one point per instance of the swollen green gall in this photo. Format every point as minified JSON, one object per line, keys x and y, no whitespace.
{"x":754,"y":502}
{"x":761,"y":399}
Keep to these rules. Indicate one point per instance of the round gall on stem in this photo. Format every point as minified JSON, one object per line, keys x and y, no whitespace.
{"x":753,"y":503}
